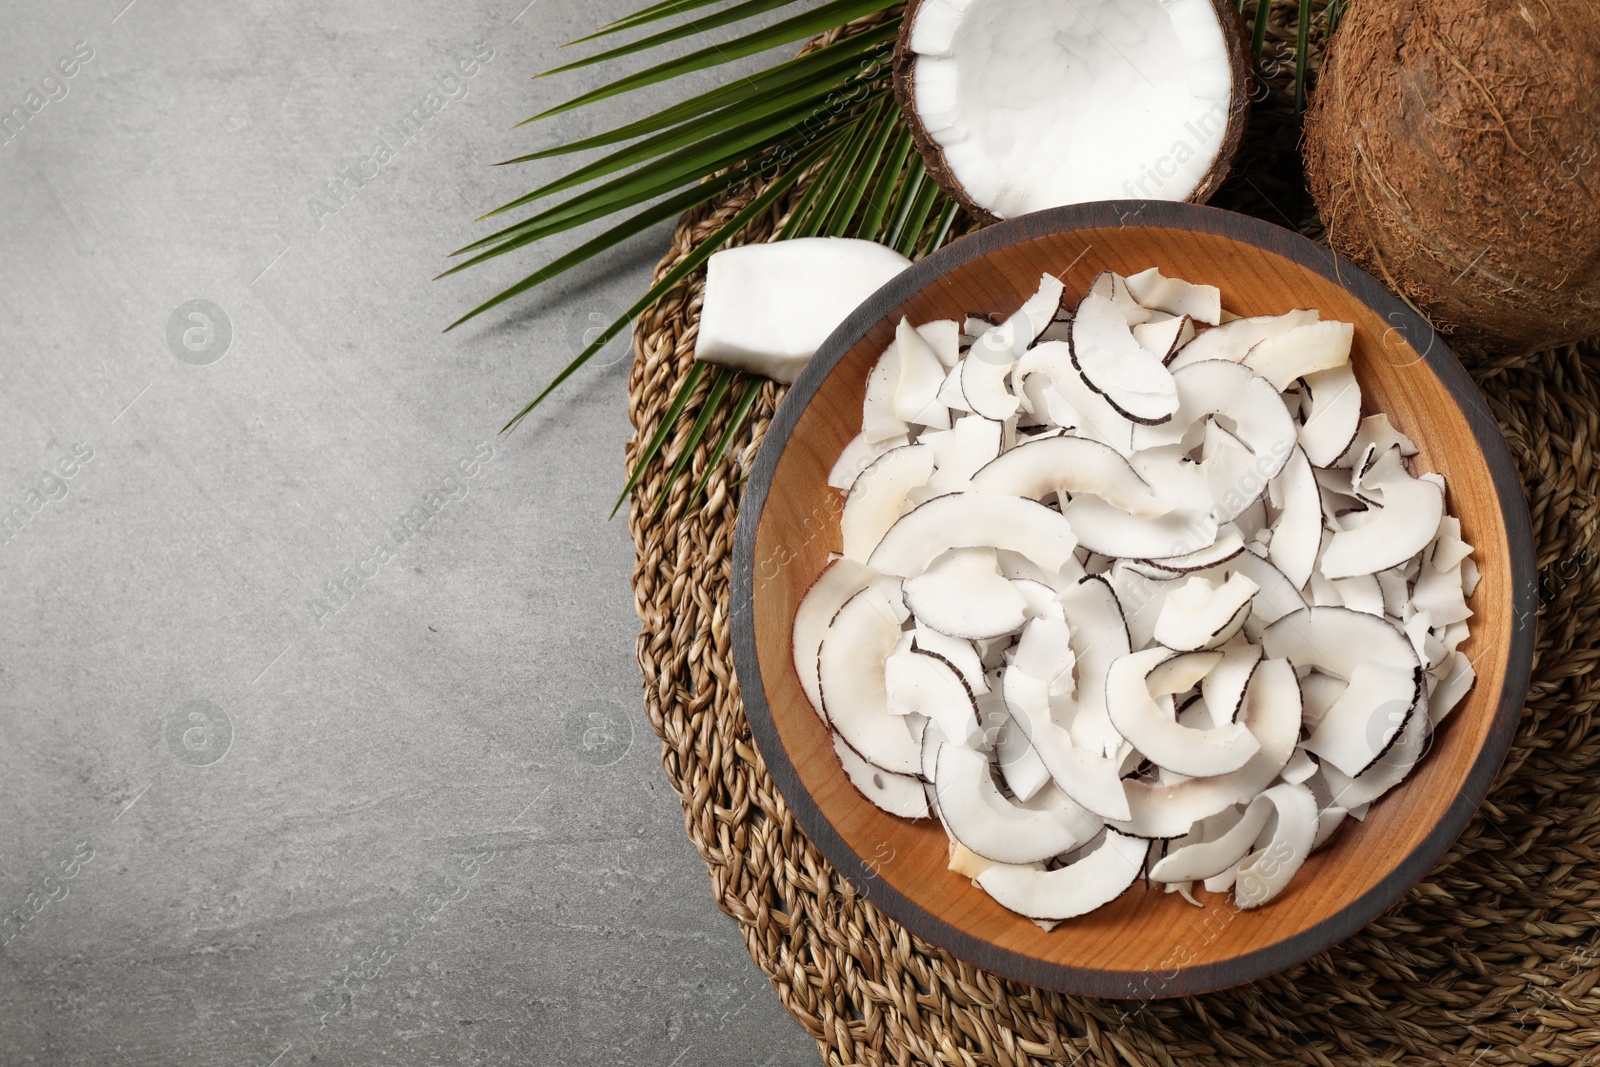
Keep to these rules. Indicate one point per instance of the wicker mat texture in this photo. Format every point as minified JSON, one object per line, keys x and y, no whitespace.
{"x":1491,"y":960}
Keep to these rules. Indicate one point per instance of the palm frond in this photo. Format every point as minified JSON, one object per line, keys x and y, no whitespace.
{"x":654,"y":13}
{"x":809,"y":24}
{"x":813,"y":68}
{"x":737,"y":13}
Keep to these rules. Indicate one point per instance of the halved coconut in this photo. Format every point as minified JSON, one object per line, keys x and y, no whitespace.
{"x":1097,"y":877}
{"x":1151,"y":728}
{"x":1020,"y":105}
{"x":897,"y":794}
{"x":851,"y":682}
{"x":972,"y":520}
{"x":981,"y":818}
{"x":769,"y":306}
{"x":1037,"y":468}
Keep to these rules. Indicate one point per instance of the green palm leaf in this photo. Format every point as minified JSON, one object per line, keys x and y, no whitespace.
{"x":810,"y":24}
{"x":654,"y":13}
{"x":818,"y":67}
{"x":733,"y":14}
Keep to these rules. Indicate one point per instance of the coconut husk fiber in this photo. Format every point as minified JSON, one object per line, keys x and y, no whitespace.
{"x":1491,"y":960}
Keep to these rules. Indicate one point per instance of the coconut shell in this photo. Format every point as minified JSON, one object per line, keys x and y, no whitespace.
{"x":1453,"y":150}
{"x":904,"y":71}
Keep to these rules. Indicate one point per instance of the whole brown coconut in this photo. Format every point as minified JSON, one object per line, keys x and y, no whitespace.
{"x":1453,"y":149}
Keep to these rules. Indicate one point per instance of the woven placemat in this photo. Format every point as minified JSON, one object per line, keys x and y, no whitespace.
{"x":1491,"y":960}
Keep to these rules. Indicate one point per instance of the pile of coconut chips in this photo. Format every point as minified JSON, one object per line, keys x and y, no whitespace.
{"x":1132,"y":588}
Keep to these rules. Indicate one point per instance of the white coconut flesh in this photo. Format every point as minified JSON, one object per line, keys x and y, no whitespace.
{"x":768,"y":307}
{"x":1070,"y":634}
{"x":1097,"y":877}
{"x":897,"y":794}
{"x":979,"y":816}
{"x":1034,"y":105}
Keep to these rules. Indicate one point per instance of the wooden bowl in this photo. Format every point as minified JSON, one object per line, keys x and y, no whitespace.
{"x":1146,"y":944}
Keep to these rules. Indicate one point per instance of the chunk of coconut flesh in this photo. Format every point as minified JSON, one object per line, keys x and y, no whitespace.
{"x":768,"y":307}
{"x":921,"y":374}
{"x":1097,"y":877}
{"x":981,"y":818}
{"x":851,"y":681}
{"x":1361,"y":722}
{"x":997,"y":87}
{"x":1256,"y":410}
{"x":897,"y":794}
{"x":857,"y":456}
{"x":1150,"y":727}
{"x":1224,"y":686}
{"x":959,"y":653}
{"x":1165,"y":337}
{"x":1297,"y":535}
{"x":1089,"y":778}
{"x":963,"y":594}
{"x":1333,"y":419}
{"x":1099,"y":637}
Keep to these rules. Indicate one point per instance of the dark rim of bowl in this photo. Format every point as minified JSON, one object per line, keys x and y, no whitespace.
{"x":1519,"y":538}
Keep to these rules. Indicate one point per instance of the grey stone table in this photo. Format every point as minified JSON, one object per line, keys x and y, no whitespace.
{"x":320,"y":734}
